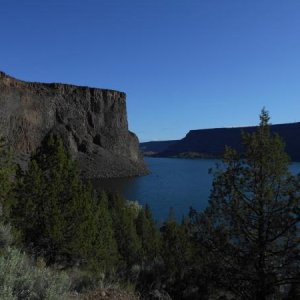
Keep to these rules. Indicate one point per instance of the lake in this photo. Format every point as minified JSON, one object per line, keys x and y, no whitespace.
{"x":177,"y":183}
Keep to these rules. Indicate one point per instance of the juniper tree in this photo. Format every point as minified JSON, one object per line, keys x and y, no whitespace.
{"x":129,"y":243}
{"x":104,"y":254}
{"x":177,"y":255}
{"x":58,"y":214}
{"x":251,"y":226}
{"x":148,"y":234}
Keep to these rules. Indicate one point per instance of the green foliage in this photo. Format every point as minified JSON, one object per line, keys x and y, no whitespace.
{"x":177,"y":254}
{"x":7,"y":170}
{"x":148,"y":235}
{"x":123,"y":217}
{"x":173,"y":272}
{"x":6,"y":237}
{"x":21,"y":279}
{"x":68,"y":225}
{"x":104,"y":252}
{"x":250,"y":228}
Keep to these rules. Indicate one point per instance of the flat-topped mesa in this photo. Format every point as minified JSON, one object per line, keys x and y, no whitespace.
{"x":91,"y":121}
{"x":211,"y":143}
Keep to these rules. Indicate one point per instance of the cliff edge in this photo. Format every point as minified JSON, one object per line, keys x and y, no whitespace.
{"x":92,"y":123}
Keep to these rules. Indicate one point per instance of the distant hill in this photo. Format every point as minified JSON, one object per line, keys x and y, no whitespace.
{"x":155,"y":147}
{"x":210,"y":143}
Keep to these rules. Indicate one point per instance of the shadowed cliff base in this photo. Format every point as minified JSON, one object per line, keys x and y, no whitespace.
{"x":92,"y":123}
{"x":210,"y":143}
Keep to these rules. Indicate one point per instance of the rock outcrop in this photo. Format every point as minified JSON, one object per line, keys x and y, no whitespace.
{"x":91,"y":121}
{"x":210,"y":143}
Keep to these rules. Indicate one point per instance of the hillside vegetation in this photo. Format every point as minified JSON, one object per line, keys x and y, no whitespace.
{"x":61,"y":239}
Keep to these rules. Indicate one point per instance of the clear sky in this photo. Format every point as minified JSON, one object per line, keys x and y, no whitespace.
{"x":184,"y":64}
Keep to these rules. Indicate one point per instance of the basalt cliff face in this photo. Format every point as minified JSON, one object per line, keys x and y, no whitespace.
{"x":92,"y":123}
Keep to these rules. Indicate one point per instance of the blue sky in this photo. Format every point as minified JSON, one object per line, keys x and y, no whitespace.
{"x":184,"y":64}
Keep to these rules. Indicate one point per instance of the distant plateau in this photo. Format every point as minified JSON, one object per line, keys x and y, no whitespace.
{"x":210,"y":143}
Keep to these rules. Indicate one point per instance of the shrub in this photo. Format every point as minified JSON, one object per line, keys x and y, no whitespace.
{"x":6,"y":237}
{"x":20,"y":279}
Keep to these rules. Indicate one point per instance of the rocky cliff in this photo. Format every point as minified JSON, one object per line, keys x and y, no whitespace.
{"x":210,"y":143}
{"x":92,"y":123}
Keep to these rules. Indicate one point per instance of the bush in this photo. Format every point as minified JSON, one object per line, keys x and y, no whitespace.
{"x":6,"y":237}
{"x":19,"y":279}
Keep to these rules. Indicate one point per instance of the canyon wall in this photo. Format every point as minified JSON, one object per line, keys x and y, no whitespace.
{"x":92,"y":123}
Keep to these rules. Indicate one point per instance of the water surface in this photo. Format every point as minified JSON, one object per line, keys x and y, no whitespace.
{"x":173,"y":183}
{"x":177,"y":183}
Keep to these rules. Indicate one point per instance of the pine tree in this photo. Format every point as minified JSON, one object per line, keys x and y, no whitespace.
{"x":251,"y":226}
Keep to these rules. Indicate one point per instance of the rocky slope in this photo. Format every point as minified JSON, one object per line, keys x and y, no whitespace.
{"x":208,"y":143}
{"x":92,"y":123}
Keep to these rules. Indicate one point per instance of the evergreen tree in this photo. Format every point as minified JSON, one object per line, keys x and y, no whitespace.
{"x":177,"y":255}
{"x":148,"y":234}
{"x":123,"y":216}
{"x":30,"y":190}
{"x":176,"y":249}
{"x":104,"y":254}
{"x":67,"y":223}
{"x":251,"y":226}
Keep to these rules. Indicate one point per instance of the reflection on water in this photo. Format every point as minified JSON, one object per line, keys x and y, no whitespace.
{"x":176,"y":183}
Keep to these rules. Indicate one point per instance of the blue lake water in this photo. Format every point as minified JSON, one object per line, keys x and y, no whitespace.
{"x":177,"y":183}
